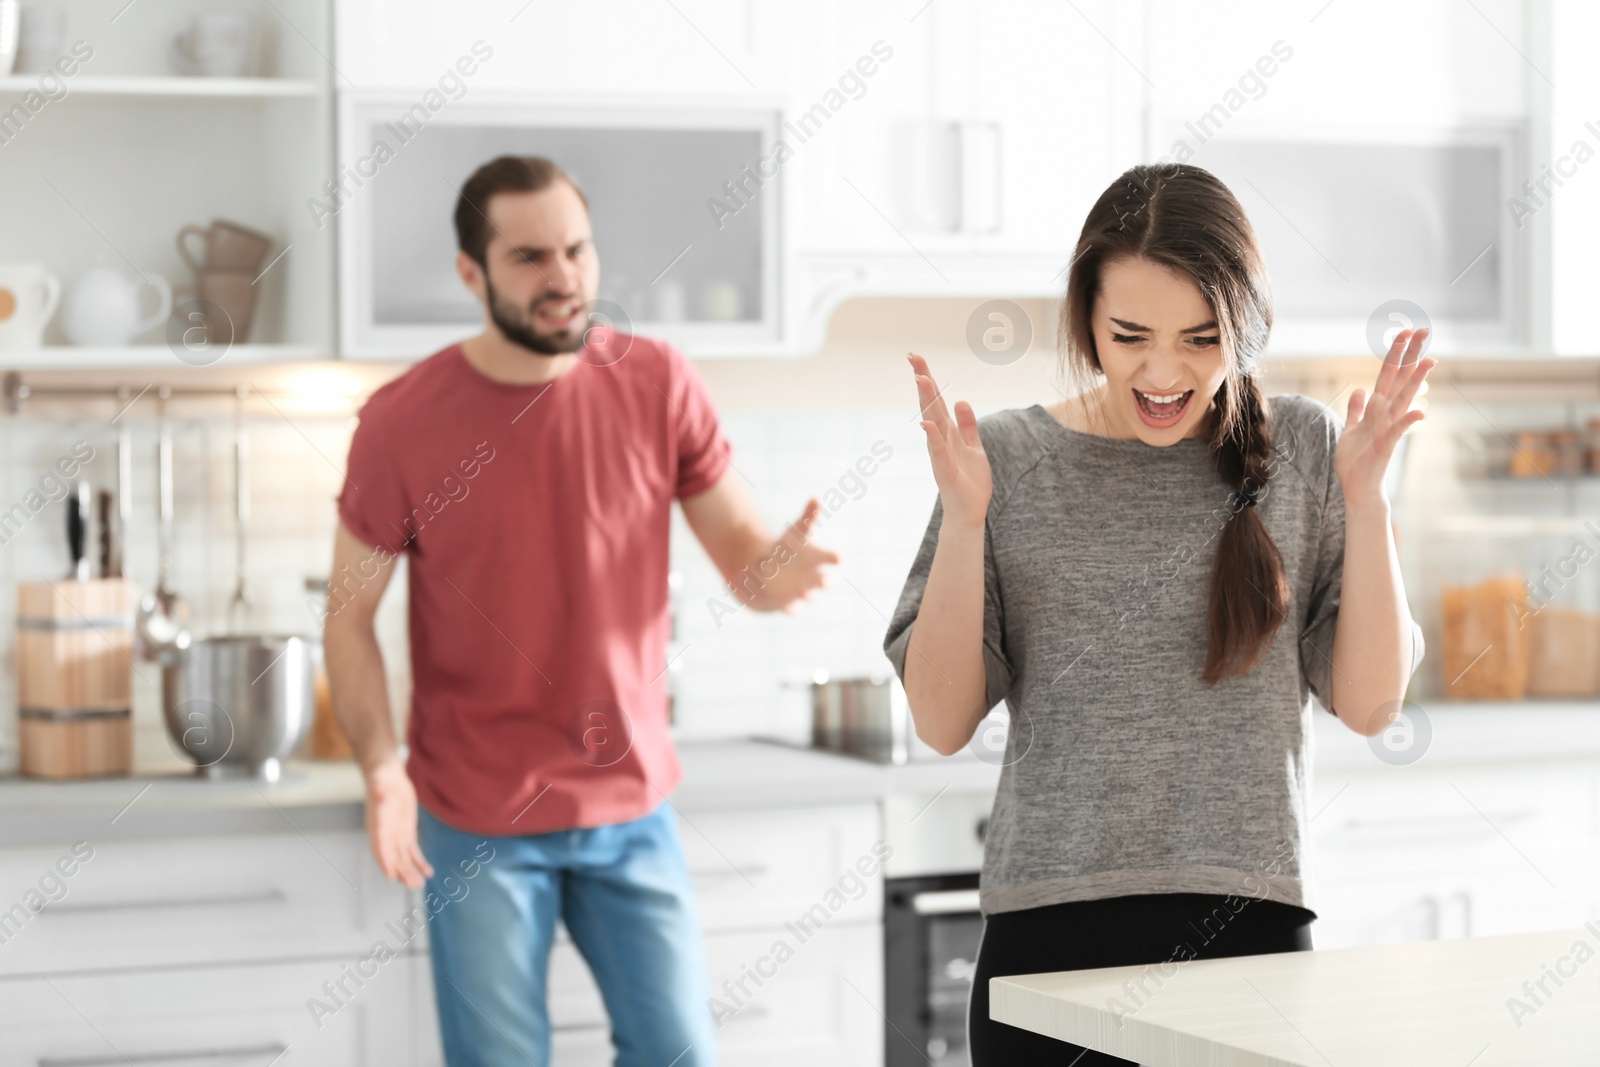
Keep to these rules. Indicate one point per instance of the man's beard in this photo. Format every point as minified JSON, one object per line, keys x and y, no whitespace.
{"x":522,"y":332}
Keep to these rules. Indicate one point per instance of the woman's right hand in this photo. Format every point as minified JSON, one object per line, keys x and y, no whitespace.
{"x":960,"y":467}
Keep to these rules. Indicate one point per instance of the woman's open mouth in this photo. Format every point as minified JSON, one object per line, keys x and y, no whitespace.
{"x":1161,"y":410}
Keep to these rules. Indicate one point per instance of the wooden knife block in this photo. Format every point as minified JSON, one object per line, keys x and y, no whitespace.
{"x":75,"y":678}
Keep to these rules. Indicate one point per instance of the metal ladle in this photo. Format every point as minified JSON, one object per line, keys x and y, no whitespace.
{"x":239,"y":606}
{"x":163,"y":621}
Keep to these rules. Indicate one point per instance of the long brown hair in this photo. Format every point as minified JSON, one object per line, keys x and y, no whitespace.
{"x":1182,"y":217}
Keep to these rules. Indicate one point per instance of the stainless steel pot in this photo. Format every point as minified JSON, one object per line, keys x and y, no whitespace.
{"x":866,"y":717}
{"x":238,"y":705}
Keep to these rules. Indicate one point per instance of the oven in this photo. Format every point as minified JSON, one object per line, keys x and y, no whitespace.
{"x":931,"y":924}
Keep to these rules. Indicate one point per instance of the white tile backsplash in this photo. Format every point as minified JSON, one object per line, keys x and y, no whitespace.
{"x":741,"y":678}
{"x":744,"y":676}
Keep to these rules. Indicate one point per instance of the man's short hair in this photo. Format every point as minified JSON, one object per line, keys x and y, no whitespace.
{"x":505,"y":174}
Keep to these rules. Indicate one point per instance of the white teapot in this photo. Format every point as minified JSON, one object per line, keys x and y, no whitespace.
{"x":102,"y":307}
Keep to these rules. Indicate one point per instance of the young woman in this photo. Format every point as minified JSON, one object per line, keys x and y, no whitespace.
{"x":1156,"y":575}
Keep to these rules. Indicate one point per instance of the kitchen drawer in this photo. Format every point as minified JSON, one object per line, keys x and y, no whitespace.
{"x":767,"y":867}
{"x":1409,"y":821}
{"x":186,"y":1016}
{"x":805,"y":1013}
{"x":1419,"y":853}
{"x":822,"y":1006}
{"x":193,"y":901}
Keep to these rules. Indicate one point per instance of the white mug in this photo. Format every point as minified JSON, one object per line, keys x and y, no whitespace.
{"x":10,"y":14}
{"x":28,"y":297}
{"x":217,"y":45}
{"x":41,"y":37}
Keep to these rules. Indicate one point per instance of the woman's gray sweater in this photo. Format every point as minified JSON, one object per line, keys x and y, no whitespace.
{"x":1124,"y":772}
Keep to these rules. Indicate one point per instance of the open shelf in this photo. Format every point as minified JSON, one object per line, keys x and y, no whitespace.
{"x":137,"y":85}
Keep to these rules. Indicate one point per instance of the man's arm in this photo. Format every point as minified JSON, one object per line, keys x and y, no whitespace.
{"x":361,"y":700}
{"x":765,"y":573}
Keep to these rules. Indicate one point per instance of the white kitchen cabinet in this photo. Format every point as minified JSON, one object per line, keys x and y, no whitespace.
{"x":124,"y":153}
{"x":986,"y":134}
{"x":223,"y":1014}
{"x":946,"y":150}
{"x":1418,"y":853}
{"x":1568,"y":192}
{"x":820,"y":1006}
{"x":1473,"y":67}
{"x":196,"y":900}
{"x":640,"y":47}
{"x":1265,"y":96}
{"x":757,"y":870}
{"x":669,"y":267}
{"x":756,"y":874}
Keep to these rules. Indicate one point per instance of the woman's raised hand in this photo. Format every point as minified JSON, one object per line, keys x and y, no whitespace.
{"x":1373,"y":424}
{"x":959,"y":465}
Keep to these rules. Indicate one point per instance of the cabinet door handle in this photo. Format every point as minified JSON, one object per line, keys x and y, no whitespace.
{"x":944,"y":902}
{"x":235,"y":1053}
{"x":1431,"y":903}
{"x":272,"y":896}
{"x":978,"y":177}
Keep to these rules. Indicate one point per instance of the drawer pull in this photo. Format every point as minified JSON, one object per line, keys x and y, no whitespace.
{"x":271,"y":896}
{"x":750,"y":1013}
{"x":1436,"y":823}
{"x":577,"y":1028}
{"x":719,"y":873}
{"x":252,"y":1051}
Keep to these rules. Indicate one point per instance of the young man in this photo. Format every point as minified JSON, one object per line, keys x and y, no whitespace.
{"x":528,"y":474}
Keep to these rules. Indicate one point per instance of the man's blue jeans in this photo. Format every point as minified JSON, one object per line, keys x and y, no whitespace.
{"x":623,"y":892}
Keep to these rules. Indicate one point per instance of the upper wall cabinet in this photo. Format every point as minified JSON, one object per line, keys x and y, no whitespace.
{"x":1565,"y":185}
{"x":708,"y":281}
{"x":1426,"y":153}
{"x":1381,"y":200}
{"x":970,"y":141}
{"x":921,"y":149}
{"x":637,"y":47}
{"x":1350,"y":62}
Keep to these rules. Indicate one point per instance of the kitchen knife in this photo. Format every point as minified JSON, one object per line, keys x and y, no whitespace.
{"x":104,"y":512}
{"x":78,"y":518}
{"x":124,"y":515}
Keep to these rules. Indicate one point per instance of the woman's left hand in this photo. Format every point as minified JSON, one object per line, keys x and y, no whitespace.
{"x":1373,"y":426}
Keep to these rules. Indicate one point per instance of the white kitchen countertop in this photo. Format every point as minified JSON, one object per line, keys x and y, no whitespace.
{"x":717,"y":774}
{"x":1426,"y":1004}
{"x":1485,"y":732}
{"x":321,"y":796}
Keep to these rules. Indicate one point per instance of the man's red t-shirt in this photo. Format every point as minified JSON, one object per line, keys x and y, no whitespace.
{"x":536,"y":520}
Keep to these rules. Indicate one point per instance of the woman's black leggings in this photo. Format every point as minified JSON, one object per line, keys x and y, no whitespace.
{"x":1120,"y":931}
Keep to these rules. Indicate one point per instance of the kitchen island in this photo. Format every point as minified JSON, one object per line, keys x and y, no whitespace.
{"x":1523,"y":1000}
